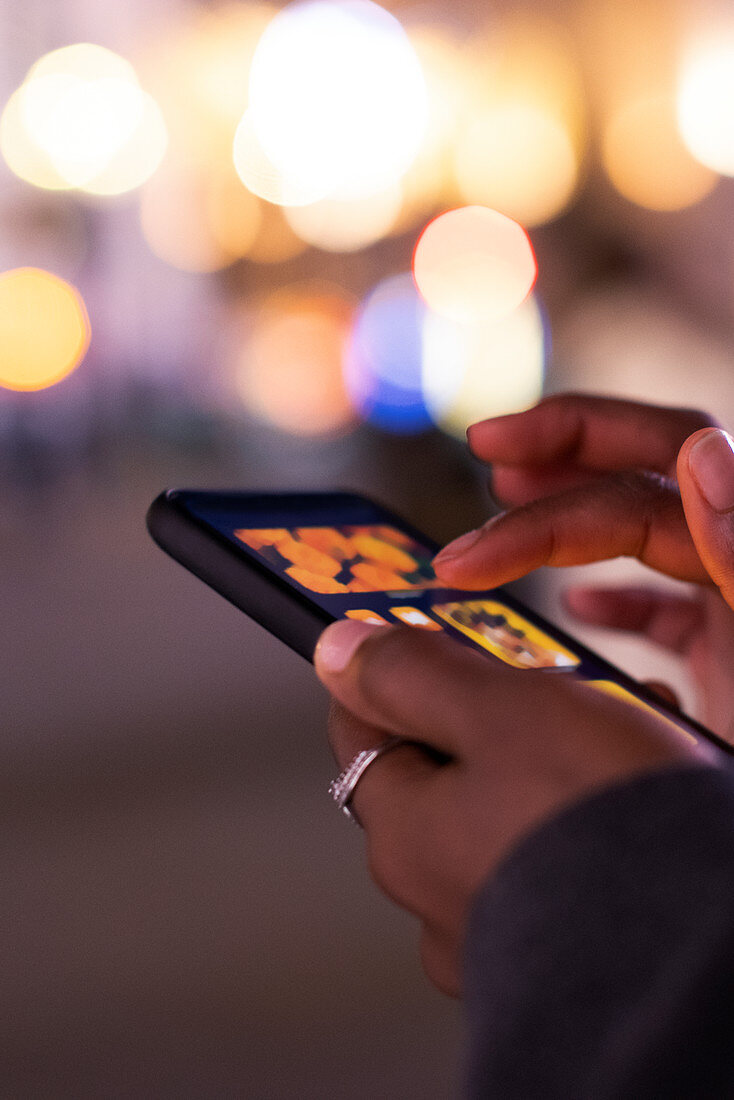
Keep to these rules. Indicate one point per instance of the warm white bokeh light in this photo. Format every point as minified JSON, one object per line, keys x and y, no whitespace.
{"x":474,"y":263}
{"x":474,"y":371}
{"x":233,"y":215}
{"x":290,"y":370}
{"x":346,"y":225}
{"x":518,"y":148}
{"x":198,"y":68}
{"x":706,"y":103}
{"x":81,"y":124}
{"x":23,"y":157}
{"x":429,"y":182}
{"x":138,"y":158}
{"x":337,"y":96}
{"x":44,"y":329}
{"x":260,"y":174}
{"x":646,"y":159}
{"x":275,"y":243}
{"x":518,"y":158}
{"x":173,"y":221}
{"x":85,"y":61}
{"x":81,"y":120}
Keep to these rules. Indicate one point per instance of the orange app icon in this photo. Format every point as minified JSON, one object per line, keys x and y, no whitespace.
{"x":366,"y":616}
{"x":413,"y":616}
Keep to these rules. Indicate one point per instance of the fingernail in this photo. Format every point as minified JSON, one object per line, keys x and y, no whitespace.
{"x":711,"y":462}
{"x":339,"y":642}
{"x":458,"y":547}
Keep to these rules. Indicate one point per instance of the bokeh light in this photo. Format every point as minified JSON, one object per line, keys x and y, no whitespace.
{"x":474,"y":371}
{"x":197,"y":222}
{"x":337,"y":96}
{"x":275,"y":242}
{"x":197,"y":65}
{"x":172,"y":207}
{"x":262,"y":176}
{"x":474,"y":263}
{"x":706,"y":103}
{"x":290,"y":369}
{"x":646,"y":159}
{"x":429,"y":181}
{"x":44,"y":329}
{"x":346,"y":225}
{"x":23,"y":157}
{"x":518,"y":158}
{"x":232,"y":214}
{"x":384,"y":360}
{"x":518,"y":149}
{"x":81,"y":120}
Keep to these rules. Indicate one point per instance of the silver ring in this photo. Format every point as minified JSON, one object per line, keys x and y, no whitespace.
{"x":342,"y":788}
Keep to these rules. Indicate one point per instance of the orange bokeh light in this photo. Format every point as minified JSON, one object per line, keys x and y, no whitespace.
{"x":44,"y":329}
{"x":646,"y":160}
{"x":290,"y":370}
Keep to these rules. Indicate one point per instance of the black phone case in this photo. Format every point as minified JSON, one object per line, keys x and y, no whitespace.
{"x":290,"y":615}
{"x":212,"y":557}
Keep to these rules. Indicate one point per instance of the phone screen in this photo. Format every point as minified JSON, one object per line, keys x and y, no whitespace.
{"x":371,"y":567}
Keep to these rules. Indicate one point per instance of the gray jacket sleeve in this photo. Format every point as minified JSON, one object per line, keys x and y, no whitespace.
{"x":600,"y":958}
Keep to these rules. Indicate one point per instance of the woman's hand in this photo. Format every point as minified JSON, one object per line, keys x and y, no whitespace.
{"x":590,"y":478}
{"x":508,"y":748}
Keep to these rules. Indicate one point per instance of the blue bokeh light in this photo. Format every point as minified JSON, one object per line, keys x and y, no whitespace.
{"x":383,"y":365}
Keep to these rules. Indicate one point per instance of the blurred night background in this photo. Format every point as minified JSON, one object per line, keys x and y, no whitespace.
{"x":214,"y":273}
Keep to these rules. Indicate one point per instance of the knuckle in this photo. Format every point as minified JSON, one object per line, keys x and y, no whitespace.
{"x":566,"y":399}
{"x":642,"y":485}
{"x":692,"y":420}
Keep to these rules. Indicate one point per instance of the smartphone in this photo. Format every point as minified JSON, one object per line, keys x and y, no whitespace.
{"x":296,"y":562}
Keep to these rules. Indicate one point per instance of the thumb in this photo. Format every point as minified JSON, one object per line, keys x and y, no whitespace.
{"x":413,"y":683}
{"x":706,"y":480}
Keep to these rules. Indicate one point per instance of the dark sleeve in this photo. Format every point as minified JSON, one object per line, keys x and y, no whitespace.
{"x":600,"y":958}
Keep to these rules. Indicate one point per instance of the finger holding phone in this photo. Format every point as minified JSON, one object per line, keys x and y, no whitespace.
{"x":590,"y":478}
{"x":509,"y":748}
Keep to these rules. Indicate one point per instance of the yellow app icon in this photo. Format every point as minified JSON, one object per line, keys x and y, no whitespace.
{"x":413,"y":616}
{"x":507,"y":635}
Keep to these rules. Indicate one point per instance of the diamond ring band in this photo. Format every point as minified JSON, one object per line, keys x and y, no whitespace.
{"x":342,"y":788}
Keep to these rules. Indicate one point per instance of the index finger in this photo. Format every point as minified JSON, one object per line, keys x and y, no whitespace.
{"x":633,"y":515}
{"x":589,"y":433}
